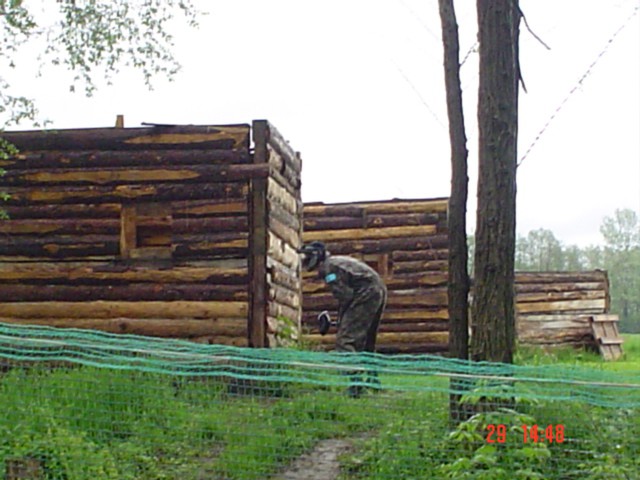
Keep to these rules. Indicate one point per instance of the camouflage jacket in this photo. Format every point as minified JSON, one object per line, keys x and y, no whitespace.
{"x":347,"y":277}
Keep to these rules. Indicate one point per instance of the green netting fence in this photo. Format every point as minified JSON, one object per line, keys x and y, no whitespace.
{"x":89,"y":405}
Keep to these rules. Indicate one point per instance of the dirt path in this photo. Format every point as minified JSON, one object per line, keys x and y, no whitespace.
{"x":320,"y":464}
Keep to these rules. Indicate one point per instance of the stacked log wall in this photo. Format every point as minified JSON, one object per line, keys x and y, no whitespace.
{"x":284,"y":238}
{"x":142,"y":231}
{"x":406,"y":242}
{"x":554,"y":308}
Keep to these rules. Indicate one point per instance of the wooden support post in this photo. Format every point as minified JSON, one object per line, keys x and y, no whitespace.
{"x":258,"y":242}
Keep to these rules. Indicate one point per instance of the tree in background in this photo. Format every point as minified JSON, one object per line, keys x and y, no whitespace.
{"x":621,"y":233}
{"x":93,"y":40}
{"x":540,"y":250}
{"x":620,"y":257}
{"x":493,"y":309}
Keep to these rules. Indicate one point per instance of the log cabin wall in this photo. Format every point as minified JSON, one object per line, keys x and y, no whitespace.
{"x":406,"y":242}
{"x":554,"y":308}
{"x":140,"y":230}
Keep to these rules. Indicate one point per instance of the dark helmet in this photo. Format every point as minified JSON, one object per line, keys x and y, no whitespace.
{"x":314,"y":253}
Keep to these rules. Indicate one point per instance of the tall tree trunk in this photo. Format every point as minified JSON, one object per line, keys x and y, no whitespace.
{"x":458,"y":286}
{"x":493,"y":310}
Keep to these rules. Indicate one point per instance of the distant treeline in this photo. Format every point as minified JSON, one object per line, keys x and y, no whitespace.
{"x":540,"y":250}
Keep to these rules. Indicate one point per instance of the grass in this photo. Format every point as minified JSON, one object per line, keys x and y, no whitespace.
{"x":90,"y":423}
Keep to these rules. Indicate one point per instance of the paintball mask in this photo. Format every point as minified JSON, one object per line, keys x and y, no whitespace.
{"x":314,"y":253}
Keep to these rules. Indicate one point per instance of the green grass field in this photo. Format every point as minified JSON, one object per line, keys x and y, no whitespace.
{"x":90,"y":423}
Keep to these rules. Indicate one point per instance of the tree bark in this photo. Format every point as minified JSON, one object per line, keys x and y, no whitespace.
{"x":493,"y":309}
{"x":458,"y":286}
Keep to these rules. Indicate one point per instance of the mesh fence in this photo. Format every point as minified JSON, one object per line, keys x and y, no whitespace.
{"x":88,"y":405}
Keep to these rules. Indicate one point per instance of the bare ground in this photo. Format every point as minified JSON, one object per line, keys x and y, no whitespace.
{"x":322,"y":463}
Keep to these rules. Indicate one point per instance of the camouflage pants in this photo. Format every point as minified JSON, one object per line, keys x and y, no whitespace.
{"x":360,"y":320}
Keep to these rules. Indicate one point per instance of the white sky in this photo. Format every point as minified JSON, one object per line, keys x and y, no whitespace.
{"x":357,"y":87}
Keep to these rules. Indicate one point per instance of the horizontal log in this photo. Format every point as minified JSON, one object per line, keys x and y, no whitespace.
{"x":407,"y":327}
{"x":102,"y":272}
{"x":102,"y":246}
{"x":405,"y":348}
{"x":222,"y":340}
{"x":393,"y":338}
{"x":423,"y":299}
{"x":152,"y":327}
{"x":369,"y":233}
{"x":553,"y":337}
{"x":312,"y":284}
{"x":61,"y":211}
{"x":559,"y":287}
{"x":22,"y":249}
{"x":105,"y":158}
{"x":412,"y":348}
{"x":554,"y":296}
{"x":596,"y":306}
{"x":379,"y":221}
{"x":134,"y":175}
{"x":525,"y":327}
{"x":84,"y":226}
{"x":384,"y":207}
{"x":559,"y":277}
{"x":180,"y":209}
{"x":123,"y":193}
{"x":130,"y":292}
{"x":123,"y":309}
{"x":390,"y":315}
{"x":210,"y":206}
{"x":224,"y":137}
{"x":420,"y":266}
{"x":417,"y":255}
{"x":348,"y":247}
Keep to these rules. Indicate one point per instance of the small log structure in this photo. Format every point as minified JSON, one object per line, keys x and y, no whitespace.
{"x":170,"y":231}
{"x":406,"y":242}
{"x":556,"y":308}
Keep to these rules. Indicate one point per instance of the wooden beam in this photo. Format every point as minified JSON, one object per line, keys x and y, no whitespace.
{"x":258,"y":213}
{"x":224,"y":137}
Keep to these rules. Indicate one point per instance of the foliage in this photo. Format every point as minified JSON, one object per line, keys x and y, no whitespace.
{"x":93,"y":39}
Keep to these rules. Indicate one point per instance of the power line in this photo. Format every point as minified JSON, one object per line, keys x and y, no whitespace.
{"x":577,"y":85}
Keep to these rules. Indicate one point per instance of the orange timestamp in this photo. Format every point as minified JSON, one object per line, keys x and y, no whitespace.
{"x":533,"y":433}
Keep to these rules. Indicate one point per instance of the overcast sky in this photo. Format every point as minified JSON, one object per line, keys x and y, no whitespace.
{"x":357,"y":87}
